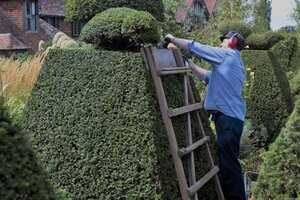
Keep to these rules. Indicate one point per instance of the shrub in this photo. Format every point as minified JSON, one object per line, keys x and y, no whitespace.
{"x":95,"y":122}
{"x":285,"y":51}
{"x":263,"y":41}
{"x":236,"y":26}
{"x":121,"y":28}
{"x":84,"y":10}
{"x":21,"y":177}
{"x":267,"y":93}
{"x":280,"y":174}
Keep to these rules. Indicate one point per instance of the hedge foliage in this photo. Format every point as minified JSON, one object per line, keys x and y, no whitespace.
{"x":236,"y":26}
{"x":84,"y":10}
{"x":286,"y":52}
{"x":263,"y":41}
{"x":121,"y":28}
{"x":95,"y":122}
{"x":21,"y":176}
{"x":280,"y":175}
{"x":267,"y":93}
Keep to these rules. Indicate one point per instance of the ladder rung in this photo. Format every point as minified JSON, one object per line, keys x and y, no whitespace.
{"x":199,"y":184}
{"x":184,"y":151}
{"x":184,"y":109}
{"x":173,"y":70}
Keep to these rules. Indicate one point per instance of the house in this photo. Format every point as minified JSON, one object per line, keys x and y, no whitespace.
{"x":193,"y":12}
{"x":24,"y":23}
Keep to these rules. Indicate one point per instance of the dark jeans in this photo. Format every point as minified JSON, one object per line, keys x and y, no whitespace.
{"x":229,"y":131}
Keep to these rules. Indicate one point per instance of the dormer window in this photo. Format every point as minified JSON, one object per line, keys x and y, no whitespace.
{"x":31,"y":15}
{"x":197,"y":8}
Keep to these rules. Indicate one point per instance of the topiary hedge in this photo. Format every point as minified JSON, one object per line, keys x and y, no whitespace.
{"x":263,"y":41}
{"x":280,"y":175}
{"x":84,"y":10}
{"x":21,"y":176}
{"x":286,"y":50}
{"x":95,"y":123}
{"x":121,"y":28}
{"x":236,"y":26}
{"x":267,"y":93}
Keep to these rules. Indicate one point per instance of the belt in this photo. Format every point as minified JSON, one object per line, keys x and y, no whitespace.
{"x":215,"y":114}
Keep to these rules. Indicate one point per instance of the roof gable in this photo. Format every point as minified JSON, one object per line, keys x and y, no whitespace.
{"x":9,"y":42}
{"x":181,"y":11}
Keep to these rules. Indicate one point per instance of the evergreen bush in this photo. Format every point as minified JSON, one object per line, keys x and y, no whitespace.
{"x":84,"y":10}
{"x":95,"y":122}
{"x":236,"y":26}
{"x":21,"y":176}
{"x":286,"y":51}
{"x":263,"y":41}
{"x":280,"y":174}
{"x":267,"y":93}
{"x":121,"y":28}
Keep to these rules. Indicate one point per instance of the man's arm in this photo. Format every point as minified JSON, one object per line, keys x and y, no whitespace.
{"x":198,"y":71}
{"x":179,"y":42}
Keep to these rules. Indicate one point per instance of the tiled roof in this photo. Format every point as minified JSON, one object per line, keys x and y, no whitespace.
{"x":9,"y":42}
{"x":51,"y":7}
{"x":181,"y":11}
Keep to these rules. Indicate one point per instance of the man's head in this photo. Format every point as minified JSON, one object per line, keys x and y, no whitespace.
{"x":233,"y":40}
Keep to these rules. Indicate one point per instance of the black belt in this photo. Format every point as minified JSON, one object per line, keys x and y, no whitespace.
{"x":215,"y":114}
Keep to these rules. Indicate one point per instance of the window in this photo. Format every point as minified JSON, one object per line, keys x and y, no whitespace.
{"x":76,"y":28}
{"x":197,"y":7}
{"x":53,"y":21}
{"x":31,"y":15}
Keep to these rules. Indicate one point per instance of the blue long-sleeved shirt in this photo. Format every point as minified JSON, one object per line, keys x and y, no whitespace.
{"x":225,"y":81}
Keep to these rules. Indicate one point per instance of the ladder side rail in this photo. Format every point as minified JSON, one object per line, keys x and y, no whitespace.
{"x":216,"y":178}
{"x":189,"y":138}
{"x":168,"y":124}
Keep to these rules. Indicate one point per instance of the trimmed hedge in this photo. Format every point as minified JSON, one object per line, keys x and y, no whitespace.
{"x":84,"y":10}
{"x":280,"y":175}
{"x":286,"y":51}
{"x":267,"y":93}
{"x":263,"y":41}
{"x":121,"y":28}
{"x":237,"y":26}
{"x":21,"y":176}
{"x":96,"y":125}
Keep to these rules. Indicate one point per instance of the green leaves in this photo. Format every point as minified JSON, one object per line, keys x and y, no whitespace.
{"x":95,"y":122}
{"x":121,"y":28}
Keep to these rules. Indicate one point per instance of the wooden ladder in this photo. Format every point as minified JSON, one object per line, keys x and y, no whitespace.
{"x":164,"y":62}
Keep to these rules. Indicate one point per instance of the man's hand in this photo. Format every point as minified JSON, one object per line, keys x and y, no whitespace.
{"x":169,"y":38}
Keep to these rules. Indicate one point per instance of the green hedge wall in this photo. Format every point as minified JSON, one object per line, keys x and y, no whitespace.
{"x":84,"y":10}
{"x":280,"y":175}
{"x":267,"y":93}
{"x":95,"y":123}
{"x":21,"y":176}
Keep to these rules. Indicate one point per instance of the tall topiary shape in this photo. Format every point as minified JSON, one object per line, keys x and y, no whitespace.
{"x":232,"y":25}
{"x":95,"y":122}
{"x":279,"y":177}
{"x":263,"y":41}
{"x":267,"y":93}
{"x":121,"y":28}
{"x":84,"y":10}
{"x":21,"y":176}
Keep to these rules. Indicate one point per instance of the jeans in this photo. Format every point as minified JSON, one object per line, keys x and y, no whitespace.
{"x":229,"y":131}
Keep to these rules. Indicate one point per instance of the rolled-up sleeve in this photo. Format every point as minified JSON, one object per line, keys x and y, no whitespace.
{"x":207,"y":76}
{"x":212,"y":55}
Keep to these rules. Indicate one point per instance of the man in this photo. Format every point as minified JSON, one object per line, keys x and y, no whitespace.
{"x":224,"y":101}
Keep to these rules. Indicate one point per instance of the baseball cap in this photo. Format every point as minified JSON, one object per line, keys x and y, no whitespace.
{"x":241,"y":41}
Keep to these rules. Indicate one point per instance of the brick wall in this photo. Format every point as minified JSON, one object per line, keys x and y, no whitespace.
{"x":65,"y":27}
{"x":15,"y":10}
